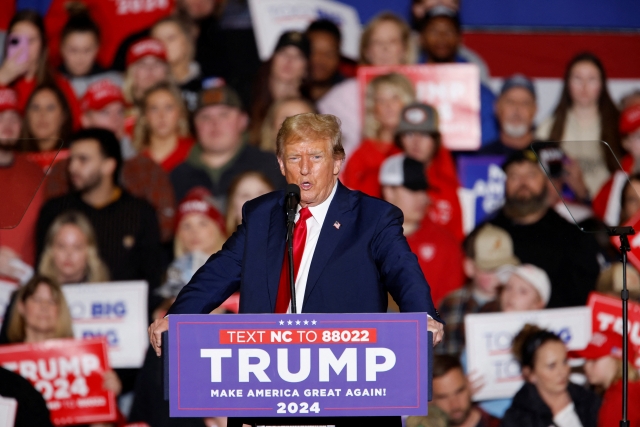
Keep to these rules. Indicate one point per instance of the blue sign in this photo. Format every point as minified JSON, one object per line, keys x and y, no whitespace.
{"x":309,"y":365}
{"x":484,"y":177}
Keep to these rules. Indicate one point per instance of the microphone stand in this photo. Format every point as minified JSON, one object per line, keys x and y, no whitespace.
{"x":291,"y":222}
{"x":623,"y":233}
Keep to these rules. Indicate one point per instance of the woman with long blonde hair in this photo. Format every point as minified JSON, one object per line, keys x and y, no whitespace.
{"x":385,"y":98}
{"x":603,"y":369}
{"x":162,"y":131}
{"x":71,"y":252}
{"x":385,"y":41}
{"x":146,"y":66}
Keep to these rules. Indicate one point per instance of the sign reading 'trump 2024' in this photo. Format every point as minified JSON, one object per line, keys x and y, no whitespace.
{"x":271,"y":365}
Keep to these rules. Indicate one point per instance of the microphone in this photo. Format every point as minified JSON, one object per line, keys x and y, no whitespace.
{"x":292,"y":198}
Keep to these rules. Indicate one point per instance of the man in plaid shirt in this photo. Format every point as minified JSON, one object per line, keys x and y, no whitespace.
{"x":487,"y":248}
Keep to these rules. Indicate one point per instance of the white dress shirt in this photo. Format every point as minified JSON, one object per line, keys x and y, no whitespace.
{"x":314,"y":225}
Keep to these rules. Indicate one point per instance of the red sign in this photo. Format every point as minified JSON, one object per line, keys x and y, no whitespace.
{"x":69,"y":374}
{"x":607,"y":316}
{"x":46,"y":159}
{"x":453,"y":89}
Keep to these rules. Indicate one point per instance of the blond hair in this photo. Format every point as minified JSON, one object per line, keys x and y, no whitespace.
{"x":16,"y":329}
{"x":267,"y":143}
{"x":632,"y":372}
{"x":142,"y":133}
{"x":398,"y":82}
{"x":128,"y":89}
{"x":367,"y":33}
{"x":302,"y":127}
{"x":96,"y":270}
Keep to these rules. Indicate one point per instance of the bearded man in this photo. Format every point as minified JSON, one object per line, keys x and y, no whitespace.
{"x":542,"y":237}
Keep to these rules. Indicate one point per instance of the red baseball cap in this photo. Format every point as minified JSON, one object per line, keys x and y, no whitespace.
{"x":200,"y":200}
{"x":630,"y":120}
{"x":100,"y":94}
{"x":603,"y":343}
{"x":146,"y":47}
{"x":8,"y":99}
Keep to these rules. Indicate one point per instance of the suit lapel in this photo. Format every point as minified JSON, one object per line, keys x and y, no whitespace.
{"x":275,"y":250}
{"x":329,"y":236}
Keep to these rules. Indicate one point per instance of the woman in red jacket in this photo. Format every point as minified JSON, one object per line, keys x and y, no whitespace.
{"x":386,"y":96}
{"x":603,"y":368}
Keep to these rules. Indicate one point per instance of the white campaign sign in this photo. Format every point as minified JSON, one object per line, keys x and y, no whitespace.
{"x":271,"y":18}
{"x":116,"y":310}
{"x":489,"y":335}
{"x":6,"y":289}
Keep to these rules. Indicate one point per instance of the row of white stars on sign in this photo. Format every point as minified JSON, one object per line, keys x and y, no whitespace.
{"x":298,"y":322}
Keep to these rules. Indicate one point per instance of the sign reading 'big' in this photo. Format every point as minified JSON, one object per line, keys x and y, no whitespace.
{"x":271,"y":365}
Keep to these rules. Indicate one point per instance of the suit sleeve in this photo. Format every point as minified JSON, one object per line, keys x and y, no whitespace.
{"x":398,"y":266}
{"x":216,"y":280}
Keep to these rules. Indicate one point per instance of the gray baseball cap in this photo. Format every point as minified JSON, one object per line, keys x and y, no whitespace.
{"x":417,"y":117}
{"x":518,"y":80}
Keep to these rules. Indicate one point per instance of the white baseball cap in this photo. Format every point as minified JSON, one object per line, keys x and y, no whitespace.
{"x":533,"y":275}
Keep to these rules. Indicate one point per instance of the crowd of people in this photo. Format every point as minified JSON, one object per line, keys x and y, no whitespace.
{"x":128,"y":150}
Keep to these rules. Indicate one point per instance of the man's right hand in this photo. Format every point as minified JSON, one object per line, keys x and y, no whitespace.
{"x":155,"y":334}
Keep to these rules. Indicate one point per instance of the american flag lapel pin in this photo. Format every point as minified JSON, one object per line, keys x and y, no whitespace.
{"x":336,"y":225}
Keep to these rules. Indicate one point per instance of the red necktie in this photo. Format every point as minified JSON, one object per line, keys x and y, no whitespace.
{"x":299,"y":238}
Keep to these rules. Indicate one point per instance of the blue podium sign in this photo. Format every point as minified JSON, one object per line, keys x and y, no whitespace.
{"x":285,"y":365}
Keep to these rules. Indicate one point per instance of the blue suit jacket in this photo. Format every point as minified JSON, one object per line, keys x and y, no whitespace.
{"x":352,"y":269}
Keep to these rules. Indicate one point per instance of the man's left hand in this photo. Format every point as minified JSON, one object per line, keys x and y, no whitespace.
{"x":437,"y":329}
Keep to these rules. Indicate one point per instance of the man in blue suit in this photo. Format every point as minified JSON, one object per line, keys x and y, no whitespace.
{"x":350,"y":247}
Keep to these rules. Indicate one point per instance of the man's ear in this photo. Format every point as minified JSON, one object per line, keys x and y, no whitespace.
{"x":109,"y":166}
{"x":243,"y":121}
{"x":388,"y":194}
{"x":528,"y":375}
{"x":337,"y":165}
{"x":281,"y":163}
{"x":469,"y":266}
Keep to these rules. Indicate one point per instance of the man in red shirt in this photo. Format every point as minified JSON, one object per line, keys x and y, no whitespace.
{"x":404,"y":184}
{"x":19,"y":193}
{"x":603,"y":368}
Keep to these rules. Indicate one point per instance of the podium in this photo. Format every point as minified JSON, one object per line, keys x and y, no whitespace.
{"x":297,"y":365}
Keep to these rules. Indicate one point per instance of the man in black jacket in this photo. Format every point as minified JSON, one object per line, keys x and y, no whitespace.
{"x":221,"y":153}
{"x":126,"y":227}
{"x":542,"y":237}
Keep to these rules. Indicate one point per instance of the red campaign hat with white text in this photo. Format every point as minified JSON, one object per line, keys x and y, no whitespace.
{"x":603,"y":343}
{"x":200,"y":200}
{"x":630,"y":120}
{"x":8,"y":99}
{"x":146,"y":47}
{"x":100,"y":94}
